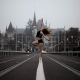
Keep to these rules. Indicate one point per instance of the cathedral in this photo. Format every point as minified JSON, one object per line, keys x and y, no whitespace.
{"x":20,"y":38}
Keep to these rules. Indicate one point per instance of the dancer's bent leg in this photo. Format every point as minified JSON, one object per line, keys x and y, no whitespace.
{"x":40,"y":49}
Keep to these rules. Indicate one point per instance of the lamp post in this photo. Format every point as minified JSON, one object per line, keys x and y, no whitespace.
{"x":58,"y":41}
{"x":22,"y":41}
{"x":67,"y":44}
{"x":64,"y":39}
{"x":16,"y":38}
{"x":2,"y":44}
{"x":72,"y":42}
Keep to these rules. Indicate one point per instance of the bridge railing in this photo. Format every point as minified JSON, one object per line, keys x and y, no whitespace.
{"x":68,"y":53}
{"x":11,"y":53}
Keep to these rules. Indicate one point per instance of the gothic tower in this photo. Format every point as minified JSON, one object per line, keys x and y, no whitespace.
{"x":34,"y":20}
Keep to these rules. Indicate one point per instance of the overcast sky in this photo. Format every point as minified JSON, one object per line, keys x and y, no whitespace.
{"x":58,"y":13}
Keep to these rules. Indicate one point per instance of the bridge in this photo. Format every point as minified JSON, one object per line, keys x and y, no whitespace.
{"x":17,"y":65}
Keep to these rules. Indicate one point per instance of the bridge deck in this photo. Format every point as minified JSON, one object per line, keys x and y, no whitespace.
{"x":55,"y":67}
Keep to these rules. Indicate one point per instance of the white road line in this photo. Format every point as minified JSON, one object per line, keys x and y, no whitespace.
{"x":3,"y":72}
{"x":70,"y":60}
{"x":40,"y":72}
{"x":66,"y":66}
{"x":12,"y":59}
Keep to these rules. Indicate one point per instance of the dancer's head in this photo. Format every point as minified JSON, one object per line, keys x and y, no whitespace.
{"x":45,"y":31}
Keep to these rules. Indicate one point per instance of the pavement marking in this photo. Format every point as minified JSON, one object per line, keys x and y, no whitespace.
{"x":40,"y":71}
{"x":70,"y":60}
{"x":11,"y":59}
{"x":66,"y":66}
{"x":3,"y":72}
{"x":73,"y":61}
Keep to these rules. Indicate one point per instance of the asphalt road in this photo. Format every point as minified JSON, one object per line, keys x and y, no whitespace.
{"x":56,"y":67}
{"x":55,"y":71}
{"x":24,"y":71}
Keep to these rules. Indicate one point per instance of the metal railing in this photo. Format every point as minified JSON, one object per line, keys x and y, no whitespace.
{"x":11,"y":53}
{"x":67,"y":53}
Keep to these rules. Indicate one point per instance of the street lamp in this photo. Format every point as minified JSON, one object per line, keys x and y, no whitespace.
{"x":22,"y":41}
{"x":64,"y":39}
{"x":67,"y":43}
{"x":58,"y":40}
{"x":72,"y":42}
{"x":16,"y":38}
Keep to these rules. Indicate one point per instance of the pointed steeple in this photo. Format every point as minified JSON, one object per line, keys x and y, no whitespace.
{"x":34,"y":20}
{"x":42,"y":23}
{"x":10,"y":28}
{"x":10,"y":25}
{"x":30,"y":22}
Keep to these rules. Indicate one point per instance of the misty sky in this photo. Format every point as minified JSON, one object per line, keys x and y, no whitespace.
{"x":58,"y":13}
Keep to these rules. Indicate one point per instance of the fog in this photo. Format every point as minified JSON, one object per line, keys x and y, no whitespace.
{"x":57,"y":13}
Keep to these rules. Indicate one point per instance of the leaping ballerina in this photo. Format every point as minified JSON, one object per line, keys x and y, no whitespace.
{"x":42,"y":38}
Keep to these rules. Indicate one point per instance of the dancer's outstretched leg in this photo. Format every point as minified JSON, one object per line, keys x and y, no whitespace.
{"x":40,"y":49}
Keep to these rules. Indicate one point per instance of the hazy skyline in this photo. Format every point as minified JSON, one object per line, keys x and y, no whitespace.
{"x":58,"y":13}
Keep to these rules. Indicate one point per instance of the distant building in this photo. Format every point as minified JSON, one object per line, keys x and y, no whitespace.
{"x":28,"y":38}
{"x":37,"y":25}
{"x":13,"y":37}
{"x":1,"y":40}
{"x":19,"y":38}
{"x":40,"y":24}
{"x":34,"y":26}
{"x":57,"y":38}
{"x":10,"y":31}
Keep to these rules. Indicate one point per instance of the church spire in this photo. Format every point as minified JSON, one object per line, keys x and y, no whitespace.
{"x":34,"y":20}
{"x":10,"y":28}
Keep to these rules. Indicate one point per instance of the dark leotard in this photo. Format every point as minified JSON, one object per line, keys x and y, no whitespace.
{"x":39,"y":35}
